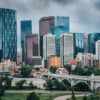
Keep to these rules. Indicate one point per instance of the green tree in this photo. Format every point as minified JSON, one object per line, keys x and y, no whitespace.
{"x":37,"y":68}
{"x":20,"y":84}
{"x":25,"y":70}
{"x":97,"y":71}
{"x":68,"y":68}
{"x":81,"y":86}
{"x":7,"y":81}
{"x":53,"y":69}
{"x":31,"y":85}
{"x":32,"y":96}
{"x":62,"y":86}
{"x":78,"y":71}
{"x":49,"y":84}
{"x":85,"y":98}
{"x":59,"y":85}
{"x":2,"y":88}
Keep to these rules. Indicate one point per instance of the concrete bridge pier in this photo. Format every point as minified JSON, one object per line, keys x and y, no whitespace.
{"x":72,"y":82}
{"x":91,"y":85}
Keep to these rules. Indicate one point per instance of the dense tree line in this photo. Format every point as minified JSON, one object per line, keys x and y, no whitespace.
{"x":82,"y":71}
{"x":55,"y":85}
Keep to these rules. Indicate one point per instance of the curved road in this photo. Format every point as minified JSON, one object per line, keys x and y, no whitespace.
{"x":68,"y":96}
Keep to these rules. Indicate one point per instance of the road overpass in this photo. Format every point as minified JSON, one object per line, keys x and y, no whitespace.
{"x":92,"y":81}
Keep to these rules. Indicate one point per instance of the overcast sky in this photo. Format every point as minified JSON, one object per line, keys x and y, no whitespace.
{"x":84,"y":14}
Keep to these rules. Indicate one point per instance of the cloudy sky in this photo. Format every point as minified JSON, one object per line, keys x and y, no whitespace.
{"x":84,"y":14}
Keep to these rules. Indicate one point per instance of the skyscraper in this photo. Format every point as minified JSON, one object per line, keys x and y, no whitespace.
{"x":66,"y":48}
{"x":26,"y":28}
{"x":85,"y":43}
{"x":31,"y":47}
{"x":62,"y":26}
{"x":98,"y":49}
{"x":8,"y":34}
{"x":92,"y":38}
{"x":45,"y":25}
{"x":64,"y":21}
{"x":49,"y":46}
{"x":79,"y":43}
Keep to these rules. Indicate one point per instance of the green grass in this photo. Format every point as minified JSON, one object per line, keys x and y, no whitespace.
{"x":23,"y":96}
{"x":77,"y":98}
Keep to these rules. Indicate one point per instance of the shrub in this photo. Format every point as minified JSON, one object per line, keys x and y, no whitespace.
{"x":20,"y":84}
{"x":32,"y":96}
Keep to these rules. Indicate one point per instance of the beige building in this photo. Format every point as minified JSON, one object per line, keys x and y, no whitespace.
{"x":7,"y":65}
{"x":84,"y":57}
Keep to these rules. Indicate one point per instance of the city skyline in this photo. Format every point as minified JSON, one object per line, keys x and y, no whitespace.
{"x":82,"y":18}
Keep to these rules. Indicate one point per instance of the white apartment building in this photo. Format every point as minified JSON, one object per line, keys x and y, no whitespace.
{"x":98,"y":49}
{"x":49,"y":46}
{"x":66,"y":48}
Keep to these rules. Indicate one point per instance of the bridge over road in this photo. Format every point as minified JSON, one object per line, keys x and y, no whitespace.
{"x":92,"y":81}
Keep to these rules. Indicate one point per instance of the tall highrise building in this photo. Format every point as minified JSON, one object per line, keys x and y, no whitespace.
{"x":66,"y":48}
{"x":79,"y":43}
{"x":8,"y":34}
{"x":92,"y":38}
{"x":62,"y":26}
{"x":45,"y":25}
{"x":49,"y":46}
{"x":98,"y":49}
{"x":31,"y":47}
{"x":26,"y":28}
{"x":85,"y":43}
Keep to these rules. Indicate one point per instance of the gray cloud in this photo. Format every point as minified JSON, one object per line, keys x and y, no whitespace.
{"x":84,"y":14}
{"x":64,"y":2}
{"x":97,"y":5}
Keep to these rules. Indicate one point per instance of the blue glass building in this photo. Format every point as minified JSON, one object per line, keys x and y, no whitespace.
{"x":92,"y":38}
{"x":62,"y":26}
{"x":26,"y":28}
{"x":8,"y":34}
{"x":64,"y":21}
{"x":79,"y":43}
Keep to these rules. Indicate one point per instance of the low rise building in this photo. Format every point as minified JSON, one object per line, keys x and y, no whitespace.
{"x":7,"y":66}
{"x":62,"y":71}
{"x":93,"y":63}
{"x":84,"y":56}
{"x":53,"y":61}
{"x":36,"y":61}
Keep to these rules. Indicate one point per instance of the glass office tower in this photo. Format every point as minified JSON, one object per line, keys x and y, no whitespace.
{"x":64,"y":21}
{"x":26,"y":28}
{"x":8,"y":34}
{"x":92,"y":38}
{"x":62,"y":26}
{"x":79,"y":43}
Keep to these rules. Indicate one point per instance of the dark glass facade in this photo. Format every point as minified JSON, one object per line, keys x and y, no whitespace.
{"x":79,"y":43}
{"x":31,"y":47}
{"x":26,"y":28}
{"x":8,"y":34}
{"x":62,"y":26}
{"x":45,"y":25}
{"x":92,"y":38}
{"x":58,"y":30}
